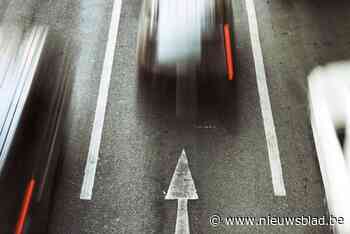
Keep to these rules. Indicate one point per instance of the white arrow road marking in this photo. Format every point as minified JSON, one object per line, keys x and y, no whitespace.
{"x":182,"y":189}
{"x":269,"y":127}
{"x":96,"y":135}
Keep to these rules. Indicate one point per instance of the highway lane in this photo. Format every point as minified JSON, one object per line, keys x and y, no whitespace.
{"x":78,"y":31}
{"x":226,"y":148}
{"x":84,"y":26}
{"x":296,"y":37}
{"x":225,"y":144}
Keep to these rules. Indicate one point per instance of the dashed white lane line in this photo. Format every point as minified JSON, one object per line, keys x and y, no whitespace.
{"x":96,"y":135}
{"x":269,"y":127}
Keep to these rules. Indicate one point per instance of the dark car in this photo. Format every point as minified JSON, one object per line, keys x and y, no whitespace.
{"x":33,"y":99}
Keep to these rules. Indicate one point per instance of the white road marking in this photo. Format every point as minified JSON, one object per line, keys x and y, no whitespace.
{"x":182,"y":189}
{"x":270,"y":133}
{"x":96,"y":135}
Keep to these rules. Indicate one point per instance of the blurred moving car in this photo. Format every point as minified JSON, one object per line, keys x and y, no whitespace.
{"x":33,"y":100}
{"x":180,"y":36}
{"x":185,"y":55}
{"x":329,"y":99}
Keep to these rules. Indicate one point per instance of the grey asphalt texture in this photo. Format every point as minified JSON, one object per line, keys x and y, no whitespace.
{"x":225,"y":145}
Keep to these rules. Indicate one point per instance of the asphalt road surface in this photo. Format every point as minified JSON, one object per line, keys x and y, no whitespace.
{"x":225,"y":143}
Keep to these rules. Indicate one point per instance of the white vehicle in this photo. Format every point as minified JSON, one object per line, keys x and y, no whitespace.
{"x":329,"y":98}
{"x":34,"y":94}
{"x":196,"y":33}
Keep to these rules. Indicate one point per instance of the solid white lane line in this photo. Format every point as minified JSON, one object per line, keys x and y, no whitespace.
{"x":96,"y":135}
{"x":270,"y":133}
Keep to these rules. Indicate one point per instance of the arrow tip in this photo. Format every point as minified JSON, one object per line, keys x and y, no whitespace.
{"x":182,"y":184}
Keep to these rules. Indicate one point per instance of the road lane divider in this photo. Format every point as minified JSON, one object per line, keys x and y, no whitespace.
{"x":97,"y":130}
{"x":269,"y":126}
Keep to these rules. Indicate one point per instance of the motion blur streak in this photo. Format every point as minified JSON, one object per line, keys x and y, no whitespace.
{"x":25,"y":207}
{"x":178,"y":32}
{"x":12,"y":31}
{"x":229,"y":57}
{"x":182,"y":17}
{"x":182,"y":44}
{"x":329,"y":98}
